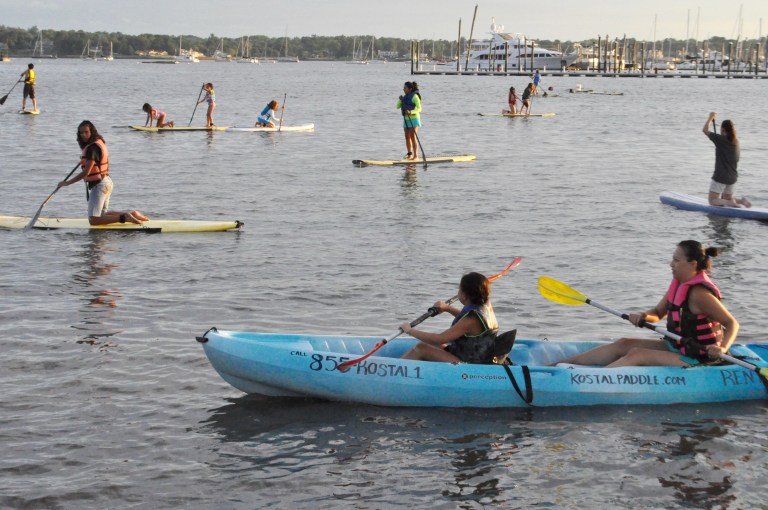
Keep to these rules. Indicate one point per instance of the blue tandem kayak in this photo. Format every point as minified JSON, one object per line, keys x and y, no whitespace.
{"x":287,"y":365}
{"x":694,"y":203}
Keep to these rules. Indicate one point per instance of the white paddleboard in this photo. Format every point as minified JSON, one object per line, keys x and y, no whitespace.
{"x":701,"y":204}
{"x":300,"y":127}
{"x":433,"y":159}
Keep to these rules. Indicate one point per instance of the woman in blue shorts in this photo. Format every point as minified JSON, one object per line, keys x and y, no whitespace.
{"x":410,"y":106}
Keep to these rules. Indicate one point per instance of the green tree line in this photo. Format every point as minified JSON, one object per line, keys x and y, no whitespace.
{"x":63,"y":43}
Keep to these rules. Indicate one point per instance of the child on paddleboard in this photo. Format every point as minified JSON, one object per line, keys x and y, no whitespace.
{"x":512,"y":100}
{"x":267,"y":115}
{"x":472,"y":335}
{"x":410,"y":106}
{"x":210,"y":98}
{"x":155,"y":114}
{"x":527,"y":99}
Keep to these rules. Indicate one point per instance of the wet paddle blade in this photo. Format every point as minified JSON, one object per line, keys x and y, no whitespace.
{"x":2,"y":99}
{"x":559,"y":292}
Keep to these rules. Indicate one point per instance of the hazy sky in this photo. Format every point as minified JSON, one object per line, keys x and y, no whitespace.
{"x":551,"y":19}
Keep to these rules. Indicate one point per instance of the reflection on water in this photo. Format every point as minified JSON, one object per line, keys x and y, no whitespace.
{"x":699,"y":478}
{"x":99,"y":301}
{"x":409,"y":182}
{"x":722,"y":236}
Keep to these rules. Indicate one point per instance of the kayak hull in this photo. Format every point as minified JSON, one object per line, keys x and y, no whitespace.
{"x":694,"y":203}
{"x":433,"y":159}
{"x":287,"y":365}
{"x":151,"y":226}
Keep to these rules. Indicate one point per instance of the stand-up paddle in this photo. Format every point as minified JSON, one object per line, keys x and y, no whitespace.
{"x":2,"y":99}
{"x":282,"y":113}
{"x":561,"y":293}
{"x":37,"y":214}
{"x":196,"y":103}
{"x":431,"y":312}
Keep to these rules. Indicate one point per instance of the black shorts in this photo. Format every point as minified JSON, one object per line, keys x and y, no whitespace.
{"x":29,"y":90}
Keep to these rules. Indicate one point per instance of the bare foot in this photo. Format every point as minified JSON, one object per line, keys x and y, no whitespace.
{"x":746,"y":203}
{"x":138,"y":216}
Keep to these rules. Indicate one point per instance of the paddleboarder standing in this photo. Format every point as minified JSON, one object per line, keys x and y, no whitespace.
{"x":410,"y":106}
{"x":94,"y":162}
{"x":210,"y":98}
{"x":536,"y":80}
{"x":527,"y":99}
{"x":28,"y":77}
{"x":727,"y":152}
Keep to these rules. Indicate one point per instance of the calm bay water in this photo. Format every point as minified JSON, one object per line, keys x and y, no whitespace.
{"x":108,"y":402}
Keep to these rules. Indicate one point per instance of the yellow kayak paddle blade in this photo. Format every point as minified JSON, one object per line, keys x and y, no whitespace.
{"x":559,"y":292}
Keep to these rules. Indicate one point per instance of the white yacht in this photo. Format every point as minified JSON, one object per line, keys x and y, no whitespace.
{"x":186,"y":56}
{"x":489,"y":54}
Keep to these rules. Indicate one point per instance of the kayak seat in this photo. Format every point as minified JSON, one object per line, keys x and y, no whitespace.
{"x":502,"y":346}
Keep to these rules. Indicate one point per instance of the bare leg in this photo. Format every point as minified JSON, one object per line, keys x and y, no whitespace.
{"x":408,"y":143}
{"x":639,"y":357}
{"x":609,"y":353}
{"x":426,"y":352}
{"x":114,"y":217}
{"x":724,"y":201}
{"x":415,"y":142}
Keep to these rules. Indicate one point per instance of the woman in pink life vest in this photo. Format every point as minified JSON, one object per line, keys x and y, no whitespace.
{"x":693,"y":310}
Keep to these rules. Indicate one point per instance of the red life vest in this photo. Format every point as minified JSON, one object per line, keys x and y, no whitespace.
{"x":680,"y":320}
{"x":101,"y":169}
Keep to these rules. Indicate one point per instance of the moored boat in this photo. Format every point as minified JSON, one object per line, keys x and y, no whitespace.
{"x":515,"y":51}
{"x":287,"y":365}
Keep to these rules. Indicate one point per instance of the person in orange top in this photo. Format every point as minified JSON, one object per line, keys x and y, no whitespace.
{"x":94,"y":161}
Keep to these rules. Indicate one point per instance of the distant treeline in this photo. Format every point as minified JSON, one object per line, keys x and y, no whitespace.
{"x":62,"y":43}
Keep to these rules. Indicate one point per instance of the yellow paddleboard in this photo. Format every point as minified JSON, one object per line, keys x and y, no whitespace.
{"x":151,"y":226}
{"x":180,"y":128}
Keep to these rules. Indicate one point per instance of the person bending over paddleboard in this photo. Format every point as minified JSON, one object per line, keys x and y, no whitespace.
{"x":727,"y":151}
{"x":512,"y":100}
{"x":28,"y":77}
{"x":527,"y":99}
{"x":154,"y":113}
{"x":94,"y":161}
{"x":694,"y":311}
{"x":210,"y":98}
{"x":410,"y":106}
{"x":267,"y":115}
{"x":471,"y":337}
